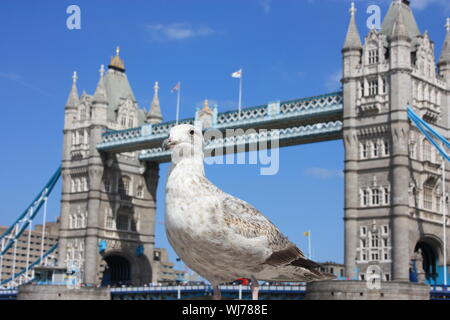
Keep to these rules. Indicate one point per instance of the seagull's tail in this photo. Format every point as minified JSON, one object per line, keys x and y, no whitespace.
{"x":302,"y":270}
{"x":315,"y":270}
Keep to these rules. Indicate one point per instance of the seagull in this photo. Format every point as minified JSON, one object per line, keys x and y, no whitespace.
{"x":221,"y":237}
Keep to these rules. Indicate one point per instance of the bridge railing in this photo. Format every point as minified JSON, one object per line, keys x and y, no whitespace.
{"x":221,"y":146}
{"x":184,"y":288}
{"x":269,"y":114}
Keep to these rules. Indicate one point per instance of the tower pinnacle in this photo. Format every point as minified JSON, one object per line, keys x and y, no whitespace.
{"x":352,"y":9}
{"x":74,"y":78}
{"x":352,"y":40}
{"x":445,"y":55}
{"x":116,"y":62}
{"x":100,"y":92}
{"x":399,"y":30}
{"x":73,"y":100}
{"x":154,"y":114}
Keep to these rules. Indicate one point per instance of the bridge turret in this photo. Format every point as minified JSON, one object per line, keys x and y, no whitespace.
{"x":352,"y":49}
{"x":72,"y":103}
{"x":352,"y":53}
{"x":154,"y":115}
{"x":100,"y":101}
{"x":400,"y":95}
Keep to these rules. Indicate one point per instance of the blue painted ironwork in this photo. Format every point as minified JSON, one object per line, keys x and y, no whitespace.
{"x":294,"y":292}
{"x":20,"y":225}
{"x":429,"y":132}
{"x":323,"y":108}
{"x":8,"y":294}
{"x":440,"y":292}
{"x":34,"y":264}
{"x":285,"y":136}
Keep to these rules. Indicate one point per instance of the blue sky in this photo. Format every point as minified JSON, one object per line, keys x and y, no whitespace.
{"x":287,"y":48}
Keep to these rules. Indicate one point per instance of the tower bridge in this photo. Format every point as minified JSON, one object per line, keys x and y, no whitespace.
{"x":393,"y":191}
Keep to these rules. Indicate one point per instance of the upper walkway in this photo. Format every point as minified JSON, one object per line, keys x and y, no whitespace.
{"x":299,"y":121}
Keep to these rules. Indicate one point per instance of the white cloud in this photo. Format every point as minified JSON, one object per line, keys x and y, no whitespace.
{"x":178,"y":31}
{"x":323,"y":173}
{"x":266,"y":5}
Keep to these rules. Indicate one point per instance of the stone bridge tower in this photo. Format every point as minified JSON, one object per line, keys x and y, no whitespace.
{"x":393,"y":203}
{"x":108,"y":201}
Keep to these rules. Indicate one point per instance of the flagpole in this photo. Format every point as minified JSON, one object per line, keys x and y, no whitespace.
{"x":240,"y":94}
{"x":178,"y":101}
{"x":309,"y":244}
{"x":444,"y":217}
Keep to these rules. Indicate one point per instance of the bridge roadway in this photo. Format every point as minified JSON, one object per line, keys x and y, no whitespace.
{"x":299,"y":121}
{"x":267,"y":292}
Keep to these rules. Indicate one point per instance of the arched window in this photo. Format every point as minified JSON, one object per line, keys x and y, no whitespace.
{"x":373,"y":56}
{"x":375,"y":240}
{"x":123,"y":222}
{"x":140,"y":191}
{"x":428,"y":197}
{"x":365,"y":197}
{"x":412,"y":150}
{"x":375,"y":149}
{"x":82,"y":113}
{"x":365,"y":147}
{"x":79,"y":221}
{"x":131,"y":122}
{"x":375,"y":197}
{"x":387,"y":196}
{"x":123,"y":120}
{"x":77,"y":185}
{"x":427,"y":151}
{"x":84,"y":186}
{"x":125,"y":186}
{"x":386,"y":147}
{"x":373,"y":87}
{"x":83,"y":220}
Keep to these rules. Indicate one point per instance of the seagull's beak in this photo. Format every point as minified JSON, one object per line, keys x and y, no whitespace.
{"x":167,"y":144}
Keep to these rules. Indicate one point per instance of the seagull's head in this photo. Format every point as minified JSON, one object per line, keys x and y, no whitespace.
{"x":184,"y":140}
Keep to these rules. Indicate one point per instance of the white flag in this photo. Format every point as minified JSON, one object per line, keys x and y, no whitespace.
{"x":237,"y":74}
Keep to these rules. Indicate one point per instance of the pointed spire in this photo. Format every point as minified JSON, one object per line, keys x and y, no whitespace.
{"x":116,"y":62}
{"x":154,"y":114}
{"x":206,"y":105}
{"x":100,"y":92}
{"x":352,"y":40}
{"x":399,"y":30}
{"x":73,"y":99}
{"x":400,"y":7}
{"x":445,"y":55}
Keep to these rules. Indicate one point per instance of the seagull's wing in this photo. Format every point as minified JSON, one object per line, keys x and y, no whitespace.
{"x":247,"y":221}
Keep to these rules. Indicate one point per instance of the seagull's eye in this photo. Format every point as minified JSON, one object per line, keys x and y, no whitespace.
{"x":191,"y":132}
